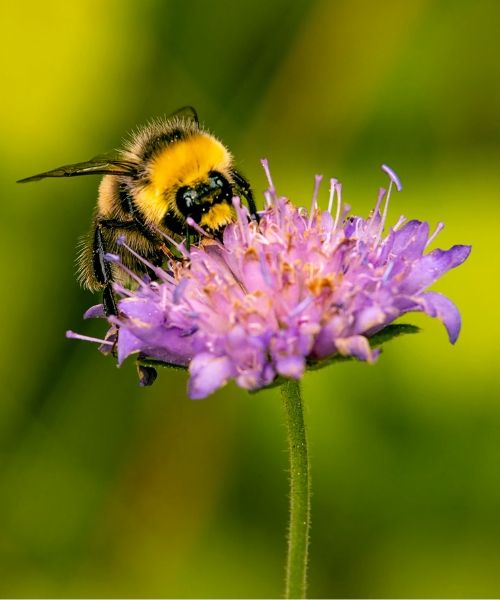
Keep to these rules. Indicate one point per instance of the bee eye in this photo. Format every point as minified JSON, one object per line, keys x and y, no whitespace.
{"x":216,"y":180}
{"x":186,"y":198}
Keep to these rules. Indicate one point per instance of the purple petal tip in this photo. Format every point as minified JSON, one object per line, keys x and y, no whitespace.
{"x":96,"y":311}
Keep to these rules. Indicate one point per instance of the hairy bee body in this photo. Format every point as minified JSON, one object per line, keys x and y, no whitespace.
{"x":168,"y":171}
{"x":107,"y":214}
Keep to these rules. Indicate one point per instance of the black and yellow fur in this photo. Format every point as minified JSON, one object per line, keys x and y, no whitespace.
{"x":168,"y":171}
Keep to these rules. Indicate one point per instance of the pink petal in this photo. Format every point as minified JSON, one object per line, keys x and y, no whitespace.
{"x":208,"y":373}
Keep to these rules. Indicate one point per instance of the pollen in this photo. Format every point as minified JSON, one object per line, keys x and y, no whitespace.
{"x":318,"y":285}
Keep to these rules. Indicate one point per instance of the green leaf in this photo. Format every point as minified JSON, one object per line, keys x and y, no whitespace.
{"x":152,"y":362}
{"x":390,"y":332}
{"x":381,"y":337}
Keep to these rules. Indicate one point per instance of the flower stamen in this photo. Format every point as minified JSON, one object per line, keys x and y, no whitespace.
{"x":439,"y":228}
{"x":116,"y":260}
{"x":381,"y":194}
{"x":265,"y":164}
{"x":268,"y":198}
{"x":77,"y":336}
{"x":194,"y":225}
{"x":393,"y":179}
{"x":158,"y":271}
{"x":314,"y":201}
{"x":338,"y":187}
{"x":400,"y":221}
{"x":180,"y":247}
{"x":333,"y":183}
{"x":242,"y":220}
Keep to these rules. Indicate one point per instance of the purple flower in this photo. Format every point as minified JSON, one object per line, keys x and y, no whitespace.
{"x":293,"y":289}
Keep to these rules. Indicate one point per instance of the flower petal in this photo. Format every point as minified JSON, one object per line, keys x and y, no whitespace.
{"x":411,"y":239}
{"x":369,"y":318}
{"x":292,"y":367}
{"x":127,"y":344}
{"x":94,"y":311}
{"x":171,"y":347}
{"x":432,"y":266}
{"x":208,"y":373}
{"x":441,"y":307}
{"x":143,"y":309}
{"x":357,"y":346}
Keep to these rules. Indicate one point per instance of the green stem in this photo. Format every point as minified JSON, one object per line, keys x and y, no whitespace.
{"x":300,"y":492}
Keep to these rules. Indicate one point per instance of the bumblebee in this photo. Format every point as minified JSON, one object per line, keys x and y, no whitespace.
{"x":167,"y":171}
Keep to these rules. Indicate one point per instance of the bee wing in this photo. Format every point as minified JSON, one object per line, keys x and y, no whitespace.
{"x":188,"y":113}
{"x":99,"y":165}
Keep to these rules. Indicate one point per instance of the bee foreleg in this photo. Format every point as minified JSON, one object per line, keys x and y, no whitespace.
{"x":246,"y":192}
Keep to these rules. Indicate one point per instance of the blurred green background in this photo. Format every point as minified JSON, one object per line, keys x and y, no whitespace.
{"x":110,"y":490}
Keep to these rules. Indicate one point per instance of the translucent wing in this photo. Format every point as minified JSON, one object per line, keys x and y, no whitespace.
{"x":99,"y":165}
{"x":188,"y":113}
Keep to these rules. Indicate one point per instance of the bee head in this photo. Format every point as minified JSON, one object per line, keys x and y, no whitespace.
{"x":200,"y":199}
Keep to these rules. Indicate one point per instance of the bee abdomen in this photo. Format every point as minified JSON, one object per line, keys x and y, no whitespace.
{"x":85,"y":261}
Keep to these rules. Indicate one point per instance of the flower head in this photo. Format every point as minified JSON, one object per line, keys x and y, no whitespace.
{"x":292,"y":289}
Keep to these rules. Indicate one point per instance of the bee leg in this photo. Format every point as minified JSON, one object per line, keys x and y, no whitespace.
{"x":109,"y":300}
{"x":116,"y":224}
{"x":102,"y":271}
{"x":188,"y":237}
{"x":133,"y":224}
{"x":104,"y":275}
{"x":247,"y":193}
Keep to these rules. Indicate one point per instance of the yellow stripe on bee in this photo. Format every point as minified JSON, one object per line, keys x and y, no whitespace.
{"x":188,"y":162}
{"x":218,"y":216}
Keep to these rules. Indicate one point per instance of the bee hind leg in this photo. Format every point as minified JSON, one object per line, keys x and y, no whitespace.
{"x":102,"y":272}
{"x":104,"y":275}
{"x":109,"y":300}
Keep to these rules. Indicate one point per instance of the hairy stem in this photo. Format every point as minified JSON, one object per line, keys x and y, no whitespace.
{"x":300,"y":492}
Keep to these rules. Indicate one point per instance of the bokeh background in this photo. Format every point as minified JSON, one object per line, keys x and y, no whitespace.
{"x":110,"y":490}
